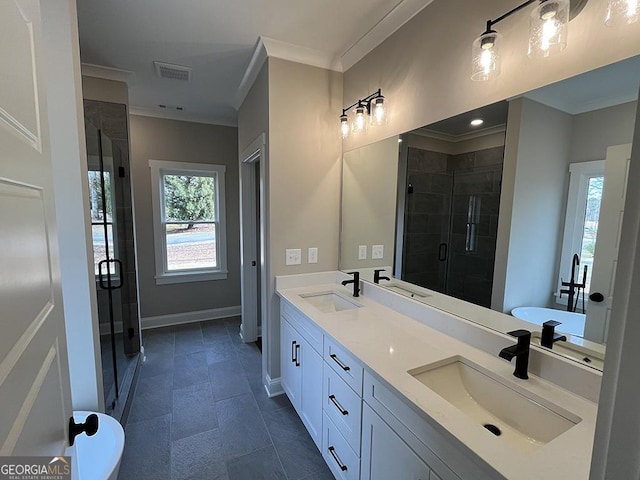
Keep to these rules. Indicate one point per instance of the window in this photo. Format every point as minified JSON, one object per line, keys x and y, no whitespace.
{"x":189,"y":221}
{"x":581,"y":224}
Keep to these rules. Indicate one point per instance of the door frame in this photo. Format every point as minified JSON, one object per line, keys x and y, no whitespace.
{"x":250,"y":249}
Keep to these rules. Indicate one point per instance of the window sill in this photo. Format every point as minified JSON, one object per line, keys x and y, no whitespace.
{"x":184,"y":277}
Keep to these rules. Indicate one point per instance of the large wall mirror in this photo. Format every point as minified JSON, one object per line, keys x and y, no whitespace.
{"x":515,"y":207}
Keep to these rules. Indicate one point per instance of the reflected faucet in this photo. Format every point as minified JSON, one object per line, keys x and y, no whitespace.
{"x":377,"y":277}
{"x":574,"y":288}
{"x":549,"y":337}
{"x":355,"y":281}
{"x":520,"y":351}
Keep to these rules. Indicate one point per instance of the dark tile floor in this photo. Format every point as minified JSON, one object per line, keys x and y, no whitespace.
{"x":200,"y":412}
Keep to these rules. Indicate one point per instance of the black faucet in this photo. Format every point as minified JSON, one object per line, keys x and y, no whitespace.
{"x":356,"y":283}
{"x":520,"y":351}
{"x":574,"y":288}
{"x":549,"y":335}
{"x":377,"y":277}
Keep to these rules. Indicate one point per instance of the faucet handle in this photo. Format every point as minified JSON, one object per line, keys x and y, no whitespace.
{"x":520,"y":333}
{"x":551,"y":323}
{"x":523,"y":336}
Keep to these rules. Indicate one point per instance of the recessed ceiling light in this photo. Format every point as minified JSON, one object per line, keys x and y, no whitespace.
{"x":476,"y":122}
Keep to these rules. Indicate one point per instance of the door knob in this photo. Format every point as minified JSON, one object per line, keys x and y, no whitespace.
{"x":90,"y":427}
{"x":596,"y":297}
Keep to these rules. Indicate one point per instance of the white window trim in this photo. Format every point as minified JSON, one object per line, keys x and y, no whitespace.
{"x":574,"y":220}
{"x":163,"y":276}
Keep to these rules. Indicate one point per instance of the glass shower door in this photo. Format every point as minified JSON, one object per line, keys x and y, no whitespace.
{"x":106,"y":184}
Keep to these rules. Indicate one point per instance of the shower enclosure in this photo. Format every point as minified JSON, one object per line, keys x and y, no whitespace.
{"x":450,"y":211}
{"x":113,"y":249}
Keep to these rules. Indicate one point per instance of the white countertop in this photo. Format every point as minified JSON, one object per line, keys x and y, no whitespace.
{"x":390,"y":344}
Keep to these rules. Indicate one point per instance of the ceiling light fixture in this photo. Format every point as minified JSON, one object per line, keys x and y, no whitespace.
{"x":370,"y":110}
{"x":622,"y":12}
{"x":548,"y":26}
{"x":476,"y":122}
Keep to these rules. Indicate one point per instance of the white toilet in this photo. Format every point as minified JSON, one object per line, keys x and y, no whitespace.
{"x":98,"y":457}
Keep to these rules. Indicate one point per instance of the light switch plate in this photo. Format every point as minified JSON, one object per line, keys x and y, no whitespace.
{"x":377,"y":252}
{"x":362,"y":252}
{"x":312,"y":255}
{"x":294,"y":256}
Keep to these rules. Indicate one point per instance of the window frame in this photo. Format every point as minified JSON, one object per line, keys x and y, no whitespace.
{"x":160,"y":168}
{"x":579,"y":175}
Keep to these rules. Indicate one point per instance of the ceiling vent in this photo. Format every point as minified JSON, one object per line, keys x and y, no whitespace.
{"x":175,"y":72}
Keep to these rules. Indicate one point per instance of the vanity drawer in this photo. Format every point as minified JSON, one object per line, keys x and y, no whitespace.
{"x":311,"y":332}
{"x":344,"y":364}
{"x":343,"y":406}
{"x":341,"y":459}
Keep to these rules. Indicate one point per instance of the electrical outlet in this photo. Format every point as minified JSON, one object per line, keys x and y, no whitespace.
{"x":312,"y":256}
{"x":377,"y":252}
{"x":293,"y":256}
{"x":362,"y":252}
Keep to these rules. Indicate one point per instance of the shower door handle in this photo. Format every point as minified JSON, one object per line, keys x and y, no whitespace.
{"x":109,"y":285}
{"x":442,"y":251}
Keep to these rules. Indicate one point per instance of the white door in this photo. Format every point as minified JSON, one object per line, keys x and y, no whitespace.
{"x":34,"y":377}
{"x":605,"y":258}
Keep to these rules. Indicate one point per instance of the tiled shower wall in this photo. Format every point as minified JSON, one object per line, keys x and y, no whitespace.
{"x":436,"y":214}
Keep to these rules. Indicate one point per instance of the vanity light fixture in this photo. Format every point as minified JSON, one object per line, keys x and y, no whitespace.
{"x":548,"y":27}
{"x":622,"y":12}
{"x":370,"y":110}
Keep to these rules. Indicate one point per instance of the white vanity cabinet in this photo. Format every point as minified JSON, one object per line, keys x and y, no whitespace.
{"x":301,"y":368}
{"x":363,"y":428}
{"x":385,"y":455}
{"x":390,"y":420}
{"x":342,"y":406}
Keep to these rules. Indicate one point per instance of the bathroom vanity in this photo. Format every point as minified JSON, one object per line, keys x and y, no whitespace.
{"x":392,"y":388}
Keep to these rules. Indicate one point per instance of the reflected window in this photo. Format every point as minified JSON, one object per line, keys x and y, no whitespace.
{"x":102,"y":218}
{"x":581,"y":223}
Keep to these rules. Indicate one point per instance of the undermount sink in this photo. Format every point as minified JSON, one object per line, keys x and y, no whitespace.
{"x":329,"y":302}
{"x":406,"y":291}
{"x":511,"y":415}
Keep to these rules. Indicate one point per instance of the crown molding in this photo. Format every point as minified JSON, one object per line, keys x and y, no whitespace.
{"x":400,"y":14}
{"x":251,"y":73}
{"x":425,"y":132}
{"x":183,"y":117}
{"x":269,"y":47}
{"x":108,"y":73}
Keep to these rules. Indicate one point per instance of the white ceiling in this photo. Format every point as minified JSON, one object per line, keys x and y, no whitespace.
{"x":217,"y":39}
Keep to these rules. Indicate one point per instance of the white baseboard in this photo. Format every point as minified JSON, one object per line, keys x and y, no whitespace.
{"x":189,"y":317}
{"x":273,"y":387}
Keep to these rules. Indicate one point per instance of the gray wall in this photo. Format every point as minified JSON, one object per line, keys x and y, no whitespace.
{"x":303,"y":173}
{"x":172,"y":140}
{"x":594,"y":131}
{"x":532,"y":205}
{"x":424,"y":68}
{"x":369,"y":192}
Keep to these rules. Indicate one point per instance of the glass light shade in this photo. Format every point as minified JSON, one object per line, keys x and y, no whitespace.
{"x":485,"y":57}
{"x":344,"y":126}
{"x":548,"y":28}
{"x":359,"y":123}
{"x":379,"y":111}
{"x":622,"y":12}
